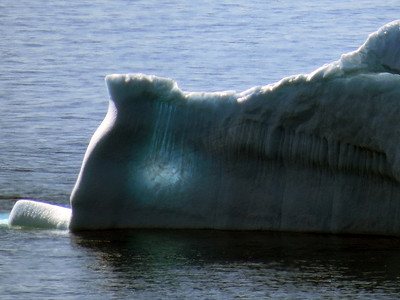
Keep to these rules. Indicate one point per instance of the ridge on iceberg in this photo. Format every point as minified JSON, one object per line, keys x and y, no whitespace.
{"x":312,"y":152}
{"x":380,"y":53}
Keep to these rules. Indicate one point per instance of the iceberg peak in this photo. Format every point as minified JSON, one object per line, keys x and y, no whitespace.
{"x":379,"y":53}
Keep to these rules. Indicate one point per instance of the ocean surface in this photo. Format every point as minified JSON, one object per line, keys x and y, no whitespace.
{"x":54,"y":57}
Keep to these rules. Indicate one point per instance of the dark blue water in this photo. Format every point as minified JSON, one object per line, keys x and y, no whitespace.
{"x":54,"y":56}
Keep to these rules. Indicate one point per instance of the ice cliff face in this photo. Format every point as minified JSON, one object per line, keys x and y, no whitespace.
{"x":313,"y":152}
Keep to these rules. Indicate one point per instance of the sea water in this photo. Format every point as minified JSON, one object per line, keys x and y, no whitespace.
{"x":54,"y":56}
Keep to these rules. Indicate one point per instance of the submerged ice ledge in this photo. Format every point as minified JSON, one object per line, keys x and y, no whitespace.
{"x":313,"y":152}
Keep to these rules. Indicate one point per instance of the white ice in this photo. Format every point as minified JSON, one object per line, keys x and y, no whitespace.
{"x":35,"y":214}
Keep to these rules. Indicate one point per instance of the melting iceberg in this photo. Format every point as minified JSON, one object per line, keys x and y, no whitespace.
{"x":313,"y":152}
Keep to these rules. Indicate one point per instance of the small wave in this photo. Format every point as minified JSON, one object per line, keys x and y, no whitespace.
{"x":4,"y":220}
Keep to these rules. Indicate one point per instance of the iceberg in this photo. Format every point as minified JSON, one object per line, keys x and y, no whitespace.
{"x":313,"y":152}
